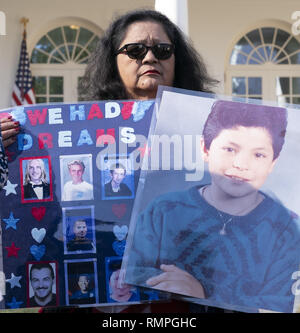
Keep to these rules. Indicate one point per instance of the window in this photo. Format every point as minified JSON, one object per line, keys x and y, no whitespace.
{"x":63,"y":44}
{"x":58,"y":62}
{"x":264,"y":45}
{"x":48,"y":88}
{"x":265,"y":64}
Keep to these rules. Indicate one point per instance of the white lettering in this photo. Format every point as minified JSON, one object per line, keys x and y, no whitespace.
{"x":127,"y":134}
{"x":296,"y":25}
{"x":171,"y":322}
{"x":64,"y":139}
{"x":112,"y":110}
{"x":119,"y":323}
{"x":55,"y":116}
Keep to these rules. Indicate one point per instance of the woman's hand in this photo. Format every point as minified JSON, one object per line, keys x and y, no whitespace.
{"x":176,"y":280}
{"x":9,"y":130}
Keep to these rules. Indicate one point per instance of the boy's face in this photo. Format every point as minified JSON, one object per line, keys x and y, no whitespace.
{"x":35,"y":171}
{"x":240,"y":159}
{"x":76,"y":172}
{"x":118,"y":175}
{"x":80,"y":229}
{"x":83,"y":283}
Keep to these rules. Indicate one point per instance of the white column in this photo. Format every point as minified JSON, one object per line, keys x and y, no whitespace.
{"x":176,"y":11}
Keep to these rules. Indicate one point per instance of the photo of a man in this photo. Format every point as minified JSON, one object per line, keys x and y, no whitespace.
{"x":81,"y":281}
{"x":84,"y":293}
{"x":80,"y":242}
{"x":36,"y":184}
{"x":42,"y":282}
{"x":77,"y":188}
{"x":116,"y":187}
{"x":79,"y":229}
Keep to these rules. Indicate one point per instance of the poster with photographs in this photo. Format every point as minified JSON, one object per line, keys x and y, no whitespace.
{"x":57,"y":223}
{"x":216,"y":215}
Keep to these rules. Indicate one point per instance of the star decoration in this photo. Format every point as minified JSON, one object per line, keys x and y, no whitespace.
{"x":14,"y":304}
{"x":10,"y":188}
{"x":14,"y":281}
{"x":144,"y":150}
{"x":11,"y":222}
{"x":12,"y":251}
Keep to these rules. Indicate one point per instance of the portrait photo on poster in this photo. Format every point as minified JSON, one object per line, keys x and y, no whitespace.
{"x":221,"y":224}
{"x":117,"y":292}
{"x":79,"y":229}
{"x":81,"y":282}
{"x":76,"y":172}
{"x":117,"y":177}
{"x":36,"y":179}
{"x":42,"y":284}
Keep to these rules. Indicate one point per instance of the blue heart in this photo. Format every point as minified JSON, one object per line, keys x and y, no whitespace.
{"x":38,"y":251}
{"x":119,"y":247}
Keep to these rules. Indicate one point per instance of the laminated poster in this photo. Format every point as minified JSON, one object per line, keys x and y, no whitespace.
{"x":216,"y":215}
{"x":66,"y":207}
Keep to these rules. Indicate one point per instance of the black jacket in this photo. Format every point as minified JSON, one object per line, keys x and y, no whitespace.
{"x":30,"y":194}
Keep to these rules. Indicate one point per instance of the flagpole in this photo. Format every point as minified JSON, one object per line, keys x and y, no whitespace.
{"x":24,"y":21}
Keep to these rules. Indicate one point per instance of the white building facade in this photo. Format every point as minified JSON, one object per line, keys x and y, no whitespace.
{"x":251,"y":47}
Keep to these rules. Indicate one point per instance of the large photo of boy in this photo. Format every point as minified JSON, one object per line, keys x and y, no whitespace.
{"x":223,"y":240}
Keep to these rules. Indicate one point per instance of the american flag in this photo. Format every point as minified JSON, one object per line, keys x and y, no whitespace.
{"x":23,"y":93}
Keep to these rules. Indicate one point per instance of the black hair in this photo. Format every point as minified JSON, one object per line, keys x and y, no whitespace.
{"x":102,"y":80}
{"x":40,"y":266}
{"x":83,"y":274}
{"x":117,"y":166}
{"x":228,"y":114}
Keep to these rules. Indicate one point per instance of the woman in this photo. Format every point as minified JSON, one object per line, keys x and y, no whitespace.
{"x":120,"y":70}
{"x":138,"y":52}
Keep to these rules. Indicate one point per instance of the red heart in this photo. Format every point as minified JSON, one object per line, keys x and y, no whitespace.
{"x":119,"y":209}
{"x":38,"y":212}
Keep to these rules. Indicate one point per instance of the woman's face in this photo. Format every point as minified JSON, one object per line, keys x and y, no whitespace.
{"x":142,"y":77}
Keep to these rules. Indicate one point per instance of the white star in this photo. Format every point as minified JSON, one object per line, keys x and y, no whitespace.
{"x":10,"y":188}
{"x":14,"y":281}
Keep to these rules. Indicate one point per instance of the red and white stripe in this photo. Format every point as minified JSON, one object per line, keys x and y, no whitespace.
{"x":28,"y":98}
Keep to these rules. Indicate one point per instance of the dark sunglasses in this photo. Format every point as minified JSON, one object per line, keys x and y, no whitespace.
{"x":161,"y":51}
